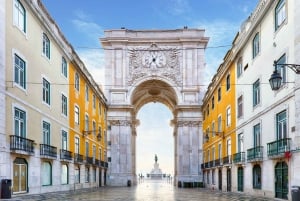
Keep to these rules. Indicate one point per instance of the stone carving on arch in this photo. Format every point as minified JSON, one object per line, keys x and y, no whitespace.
{"x":154,"y":61}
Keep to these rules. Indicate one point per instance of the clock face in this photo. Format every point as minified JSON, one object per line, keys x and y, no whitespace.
{"x":154,"y":59}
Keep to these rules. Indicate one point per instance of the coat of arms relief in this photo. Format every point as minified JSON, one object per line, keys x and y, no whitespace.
{"x":157,"y":61}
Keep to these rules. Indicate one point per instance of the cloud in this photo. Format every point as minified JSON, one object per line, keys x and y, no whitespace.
{"x":84,"y":24}
{"x":94,"y":61}
{"x":179,"y":7}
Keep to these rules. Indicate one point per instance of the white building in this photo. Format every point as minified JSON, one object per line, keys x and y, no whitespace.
{"x":268,"y":125}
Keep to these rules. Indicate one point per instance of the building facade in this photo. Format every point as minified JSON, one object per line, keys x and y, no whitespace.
{"x":267,"y":125}
{"x":219,"y":127}
{"x":39,"y":132}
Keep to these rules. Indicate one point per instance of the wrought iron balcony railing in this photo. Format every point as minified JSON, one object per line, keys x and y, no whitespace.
{"x":47,"y":150}
{"x":65,"y":155}
{"x":18,"y":143}
{"x":227,"y":160}
{"x":278,"y":147}
{"x":218,"y":162}
{"x":89,"y":160}
{"x":239,"y":157}
{"x":255,"y":154}
{"x":78,"y":158}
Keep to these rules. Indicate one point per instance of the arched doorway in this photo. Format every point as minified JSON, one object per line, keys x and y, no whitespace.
{"x":20,"y":176}
{"x":146,"y":66}
{"x":281,"y":180}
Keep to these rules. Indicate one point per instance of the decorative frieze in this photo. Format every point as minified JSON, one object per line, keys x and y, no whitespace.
{"x":154,"y":61}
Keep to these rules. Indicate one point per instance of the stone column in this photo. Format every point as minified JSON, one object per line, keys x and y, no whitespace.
{"x":188,"y":148}
{"x":122,"y":160}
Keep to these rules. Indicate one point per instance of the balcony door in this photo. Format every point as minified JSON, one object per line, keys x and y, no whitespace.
{"x":281,"y":180}
{"x":240,"y":179}
{"x":20,"y":175}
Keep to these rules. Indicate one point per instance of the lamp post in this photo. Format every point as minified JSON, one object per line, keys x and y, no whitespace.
{"x":275,"y":79}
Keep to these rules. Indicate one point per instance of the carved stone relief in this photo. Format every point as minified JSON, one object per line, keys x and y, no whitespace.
{"x":154,"y":61}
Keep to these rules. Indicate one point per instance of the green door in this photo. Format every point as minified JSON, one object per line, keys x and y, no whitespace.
{"x":240,"y":179}
{"x":281,"y":180}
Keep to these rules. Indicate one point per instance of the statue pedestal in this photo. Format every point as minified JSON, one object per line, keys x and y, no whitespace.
{"x":156,"y":172}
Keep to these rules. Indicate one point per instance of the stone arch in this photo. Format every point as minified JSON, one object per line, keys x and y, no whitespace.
{"x":143,"y":66}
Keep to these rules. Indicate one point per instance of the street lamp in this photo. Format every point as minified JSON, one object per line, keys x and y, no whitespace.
{"x":275,"y":79}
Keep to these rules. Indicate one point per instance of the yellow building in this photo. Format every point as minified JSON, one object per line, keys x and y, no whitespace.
{"x":219,"y":125}
{"x":87,"y":126}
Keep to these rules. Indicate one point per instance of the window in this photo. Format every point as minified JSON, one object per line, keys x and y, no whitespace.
{"x":64,"y":67}
{"x":100,"y":110}
{"x":94,"y":152}
{"x":46,"y":91}
{"x":256,"y":177}
{"x":228,"y":82}
{"x":64,"y":105}
{"x":99,"y":133}
{"x":255,"y":46}
{"x":77,"y":81}
{"x":208,"y":177}
{"x":219,"y":123}
{"x":281,"y":125}
{"x":94,"y":128}
{"x":207,"y":110}
{"x":76,"y":114}
{"x":94,"y":101}
{"x":64,"y":140}
{"x":77,"y":174}
{"x":86,"y":92}
{"x":64,"y":174}
{"x":46,"y":46}
{"x":240,"y":106}
{"x":220,"y":151}
{"x":219,"y":93}
{"x":228,"y":116}
{"x":19,"y":16}
{"x":228,"y":147}
{"x":100,"y":154}
{"x":94,"y":175}
{"x":213,"y":103}
{"x":46,"y":133}
{"x":46,"y":174}
{"x":213,"y":129}
{"x":240,"y":142}
{"x":86,"y":149}
{"x":76,"y":145}
{"x":20,"y":122}
{"x":239,"y":67}
{"x":86,"y":122}
{"x":256,"y":93}
{"x":280,"y":14}
{"x":20,"y":72}
{"x":256,"y":135}
{"x":87,"y":174}
{"x":282,"y":69}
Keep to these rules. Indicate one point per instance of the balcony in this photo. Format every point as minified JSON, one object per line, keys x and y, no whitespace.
{"x":278,"y":148}
{"x":48,"y":151}
{"x":255,"y":154}
{"x":212,"y":163}
{"x":21,"y":144}
{"x":97,"y":162}
{"x":104,"y":164}
{"x":227,"y":160}
{"x":65,"y":155}
{"x":218,"y":162}
{"x":78,"y":158}
{"x":89,"y":160}
{"x":239,"y":158}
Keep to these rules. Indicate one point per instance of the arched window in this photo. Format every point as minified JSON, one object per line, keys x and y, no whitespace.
{"x":257,"y":177}
{"x":77,"y":174}
{"x":64,"y":174}
{"x":46,"y":46}
{"x":19,"y":15}
{"x":280,"y":14}
{"x":255,"y":46}
{"x":46,"y":174}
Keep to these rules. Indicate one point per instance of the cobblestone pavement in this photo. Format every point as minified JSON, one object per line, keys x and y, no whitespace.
{"x":146,"y":191}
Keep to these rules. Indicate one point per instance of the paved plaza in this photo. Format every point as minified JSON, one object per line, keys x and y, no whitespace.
{"x":145,"y":191}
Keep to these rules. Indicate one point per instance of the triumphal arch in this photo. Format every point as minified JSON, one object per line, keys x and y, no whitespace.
{"x":143,"y":66}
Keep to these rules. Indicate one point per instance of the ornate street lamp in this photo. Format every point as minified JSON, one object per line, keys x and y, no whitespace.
{"x":275,"y":80}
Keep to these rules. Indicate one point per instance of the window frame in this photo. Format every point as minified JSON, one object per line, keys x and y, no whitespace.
{"x":228,"y":82}
{"x":281,"y":125}
{"x":19,"y":16}
{"x":46,"y":46}
{"x":240,"y":106}
{"x":239,"y":68}
{"x":228,"y":116}
{"x":64,"y":181}
{"x":76,"y":114}
{"x":257,"y":182}
{"x":46,"y":91}
{"x":47,"y":172}
{"x":64,"y":67}
{"x":64,"y":140}
{"x":255,"y":45}
{"x":77,"y":81}
{"x":282,"y":69}
{"x":22,"y":123}
{"x":280,"y":14}
{"x":19,"y":71}
{"x":46,"y":133}
{"x":256,"y":93}
{"x":64,"y":105}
